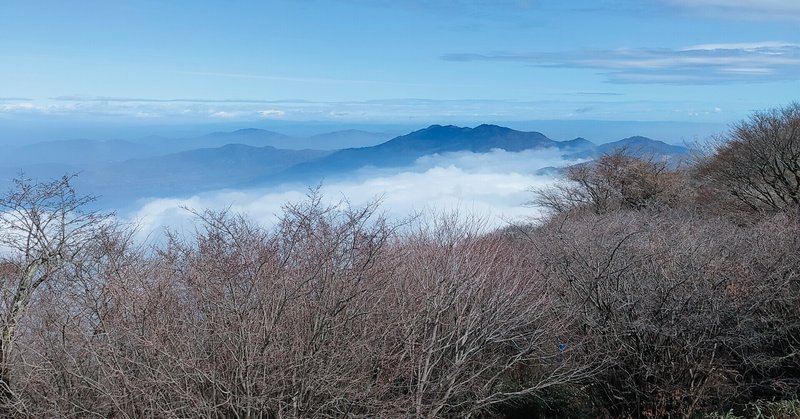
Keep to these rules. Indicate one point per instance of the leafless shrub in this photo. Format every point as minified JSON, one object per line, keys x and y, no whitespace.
{"x":44,"y":228}
{"x":336,"y":312}
{"x":685,"y":310}
{"x":614,"y":181}
{"x":476,"y":326}
{"x":339,"y":312}
{"x":758,"y":163}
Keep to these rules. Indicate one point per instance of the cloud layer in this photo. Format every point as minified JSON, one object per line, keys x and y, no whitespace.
{"x":491,"y":185}
{"x":699,"y":64}
{"x":583,"y":105}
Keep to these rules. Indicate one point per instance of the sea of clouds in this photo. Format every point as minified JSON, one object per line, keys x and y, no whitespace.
{"x":493,"y":186}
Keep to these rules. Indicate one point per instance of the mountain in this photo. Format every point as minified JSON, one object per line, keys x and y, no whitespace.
{"x":190,"y":171}
{"x":402,"y":151}
{"x":635,"y":146}
{"x":436,"y":139}
{"x":93,"y":152}
{"x":643,"y":147}
{"x":257,"y":137}
{"x":248,"y":136}
{"x":481,"y":139}
{"x":579,"y":143}
{"x":122,"y":171}
{"x":346,"y":138}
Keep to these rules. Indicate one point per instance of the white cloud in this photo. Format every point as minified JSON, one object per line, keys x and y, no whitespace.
{"x":743,"y":46}
{"x":699,"y":64}
{"x":223,"y":114}
{"x":272,"y":113}
{"x":22,"y":106}
{"x":491,"y":185}
{"x":405,"y":110}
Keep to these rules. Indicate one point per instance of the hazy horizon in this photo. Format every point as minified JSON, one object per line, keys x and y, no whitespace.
{"x":26,"y":132}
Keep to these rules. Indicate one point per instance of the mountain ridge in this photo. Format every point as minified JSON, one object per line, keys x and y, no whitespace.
{"x":225,"y":162}
{"x":435,"y":139}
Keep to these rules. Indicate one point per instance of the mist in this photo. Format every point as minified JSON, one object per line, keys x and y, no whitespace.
{"x":492,"y":186}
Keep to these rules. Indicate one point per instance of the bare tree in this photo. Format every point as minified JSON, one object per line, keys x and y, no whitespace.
{"x":758,"y":163}
{"x":683,"y":314}
{"x":43,"y":228}
{"x":477,"y":328}
{"x":614,"y":181}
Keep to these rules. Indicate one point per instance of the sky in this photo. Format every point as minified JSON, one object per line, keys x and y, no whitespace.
{"x":150,"y":63}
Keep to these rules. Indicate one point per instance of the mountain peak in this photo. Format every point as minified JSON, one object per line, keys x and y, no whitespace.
{"x":637,"y":139}
{"x":578,"y":142}
{"x":449,"y":138}
{"x":642,"y":146}
{"x":437,"y":127}
{"x":454,"y":130}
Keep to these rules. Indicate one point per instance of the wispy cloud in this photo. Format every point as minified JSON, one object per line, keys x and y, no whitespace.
{"x":272,"y":113}
{"x":700,"y":64}
{"x":786,"y":10}
{"x":31,"y":107}
{"x":386,"y":110}
{"x":224,"y":115}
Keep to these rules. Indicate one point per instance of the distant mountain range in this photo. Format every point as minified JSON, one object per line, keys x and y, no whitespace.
{"x":436,"y":139}
{"x":636,"y":146}
{"x":122,"y":171}
{"x":85,"y":152}
{"x":190,"y":171}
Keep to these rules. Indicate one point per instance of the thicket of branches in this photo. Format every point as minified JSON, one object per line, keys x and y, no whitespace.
{"x":685,"y":281}
{"x":649,"y":291}
{"x":336,"y":312}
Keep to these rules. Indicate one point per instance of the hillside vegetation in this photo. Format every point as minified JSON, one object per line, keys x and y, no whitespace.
{"x":647,"y":291}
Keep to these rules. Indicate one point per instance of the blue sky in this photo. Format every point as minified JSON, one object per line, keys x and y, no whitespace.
{"x":354,"y":61}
